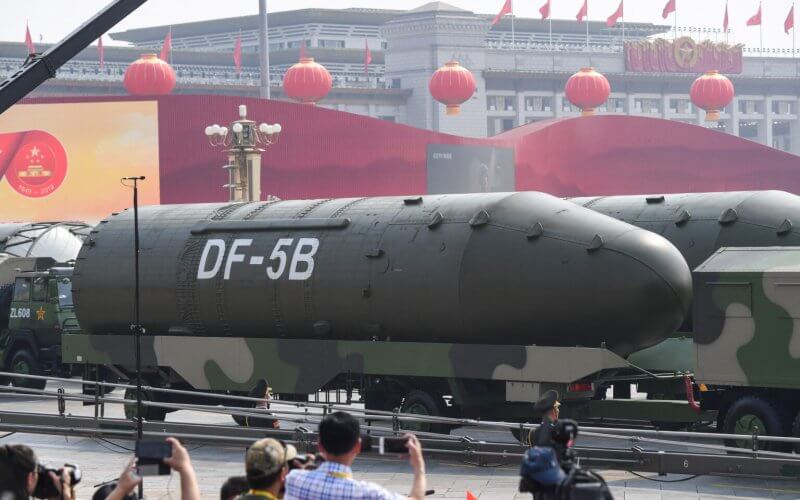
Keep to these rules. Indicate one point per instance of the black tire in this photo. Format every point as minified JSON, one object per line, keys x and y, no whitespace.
{"x":750,"y":411}
{"x":381,"y":401}
{"x":150,"y":413}
{"x":796,"y":431}
{"x":265,"y":422}
{"x":421,"y":403}
{"x":523,"y":437}
{"x":669,"y":426}
{"x":25,"y":363}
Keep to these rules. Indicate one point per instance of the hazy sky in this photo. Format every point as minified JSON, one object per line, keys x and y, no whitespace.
{"x":53,"y":19}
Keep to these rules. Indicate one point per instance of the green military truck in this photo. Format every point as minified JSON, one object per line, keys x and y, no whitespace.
{"x":747,"y":340}
{"x":35,"y":309}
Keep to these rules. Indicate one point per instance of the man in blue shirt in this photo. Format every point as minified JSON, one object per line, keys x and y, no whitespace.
{"x":340,"y":444}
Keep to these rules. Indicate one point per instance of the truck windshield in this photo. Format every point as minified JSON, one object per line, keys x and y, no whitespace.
{"x":64,"y":292}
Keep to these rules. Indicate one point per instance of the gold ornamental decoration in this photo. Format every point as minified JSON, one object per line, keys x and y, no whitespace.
{"x":686,"y":52}
{"x":684,"y":55}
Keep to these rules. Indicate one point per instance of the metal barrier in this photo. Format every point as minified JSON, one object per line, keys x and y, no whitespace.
{"x":711,"y":459}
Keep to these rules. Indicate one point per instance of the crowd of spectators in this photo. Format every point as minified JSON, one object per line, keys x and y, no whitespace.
{"x":272,"y":470}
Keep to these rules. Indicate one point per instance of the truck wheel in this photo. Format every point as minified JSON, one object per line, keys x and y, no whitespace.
{"x":266,"y":422}
{"x":749,"y":412}
{"x":423,"y":404}
{"x":523,"y":437}
{"x":381,"y":401}
{"x":796,"y":431}
{"x":24,"y":363}
{"x":150,"y":413}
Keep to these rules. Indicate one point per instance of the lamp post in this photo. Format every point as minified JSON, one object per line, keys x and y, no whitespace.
{"x":241,"y":141}
{"x":137,"y":325}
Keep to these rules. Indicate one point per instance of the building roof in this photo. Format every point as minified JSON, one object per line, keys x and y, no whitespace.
{"x":204,"y":57}
{"x":371,"y":17}
{"x":438,"y":7}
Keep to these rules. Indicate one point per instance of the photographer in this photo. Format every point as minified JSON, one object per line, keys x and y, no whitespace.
{"x":549,"y":470}
{"x":22,"y":477}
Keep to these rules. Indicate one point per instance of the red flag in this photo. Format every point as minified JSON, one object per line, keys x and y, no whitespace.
{"x":29,"y":41}
{"x":367,"y":57}
{"x":101,"y":52}
{"x":544,"y":10}
{"x":789,"y":22}
{"x":612,"y":19}
{"x":756,"y":19}
{"x":507,"y":9}
{"x":167,"y":47}
{"x":725,"y":19}
{"x":237,"y":54}
{"x":583,"y":12}
{"x":470,"y":495}
{"x":668,"y":9}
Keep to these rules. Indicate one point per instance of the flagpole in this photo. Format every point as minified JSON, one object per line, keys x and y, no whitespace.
{"x":726,"y":24}
{"x":551,"y":32}
{"x":622,"y":3}
{"x":512,"y":25}
{"x":587,"y":25}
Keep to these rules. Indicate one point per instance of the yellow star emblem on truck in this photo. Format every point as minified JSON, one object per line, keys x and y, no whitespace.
{"x":40,"y":313}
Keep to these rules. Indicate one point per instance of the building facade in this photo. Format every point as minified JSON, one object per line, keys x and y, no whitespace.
{"x":520,"y":72}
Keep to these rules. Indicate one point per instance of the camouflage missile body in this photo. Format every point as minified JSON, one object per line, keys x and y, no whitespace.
{"x":698,"y":224}
{"x":440,"y":285}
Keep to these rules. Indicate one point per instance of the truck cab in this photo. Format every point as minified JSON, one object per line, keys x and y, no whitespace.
{"x":36,"y":307}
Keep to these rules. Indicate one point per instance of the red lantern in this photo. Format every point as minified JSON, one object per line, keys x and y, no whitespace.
{"x":149,"y":75}
{"x":307,"y":81}
{"x":712,"y":92}
{"x":452,"y":84}
{"x":587,"y":89}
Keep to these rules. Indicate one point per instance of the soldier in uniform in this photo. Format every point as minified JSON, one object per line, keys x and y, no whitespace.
{"x":548,"y":407}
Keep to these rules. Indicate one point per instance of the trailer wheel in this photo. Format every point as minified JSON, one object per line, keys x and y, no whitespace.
{"x":25,"y":363}
{"x":525,"y":437}
{"x":266,"y":422}
{"x":749,"y":412}
{"x":150,"y":413}
{"x":796,"y":431}
{"x":421,"y":403}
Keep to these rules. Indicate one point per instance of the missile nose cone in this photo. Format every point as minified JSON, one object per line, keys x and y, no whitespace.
{"x":660,"y":291}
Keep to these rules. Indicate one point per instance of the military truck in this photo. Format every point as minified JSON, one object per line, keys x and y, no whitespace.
{"x":35,"y":309}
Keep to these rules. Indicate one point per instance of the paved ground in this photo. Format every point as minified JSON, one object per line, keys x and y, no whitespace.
{"x":103,"y":460}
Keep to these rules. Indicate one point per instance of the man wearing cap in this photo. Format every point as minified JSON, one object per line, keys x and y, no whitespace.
{"x":267,"y":463}
{"x":548,"y":407}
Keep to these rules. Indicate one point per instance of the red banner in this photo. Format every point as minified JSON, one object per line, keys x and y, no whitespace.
{"x":33,"y":162}
{"x":683,"y":55}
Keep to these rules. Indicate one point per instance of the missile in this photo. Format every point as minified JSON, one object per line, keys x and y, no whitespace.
{"x":501,"y":268}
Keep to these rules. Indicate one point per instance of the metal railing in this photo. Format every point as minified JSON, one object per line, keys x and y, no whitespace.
{"x":298,"y":412}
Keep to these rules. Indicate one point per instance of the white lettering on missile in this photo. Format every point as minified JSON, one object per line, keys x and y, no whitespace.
{"x":236,"y":257}
{"x":279,"y":254}
{"x":301,"y":265}
{"x":306,"y":257}
{"x":202,"y":272}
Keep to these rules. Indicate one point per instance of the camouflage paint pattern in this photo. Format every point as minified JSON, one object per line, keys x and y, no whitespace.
{"x":304,"y":366}
{"x":747,"y":317}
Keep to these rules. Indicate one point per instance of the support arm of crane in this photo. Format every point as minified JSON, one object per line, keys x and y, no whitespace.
{"x":39,"y":67}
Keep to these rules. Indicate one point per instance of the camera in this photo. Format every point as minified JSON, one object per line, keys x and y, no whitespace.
{"x":45,"y":488}
{"x":549,"y":471}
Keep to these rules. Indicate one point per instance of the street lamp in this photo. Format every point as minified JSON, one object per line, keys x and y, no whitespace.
{"x":137,"y":324}
{"x":241,"y":141}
